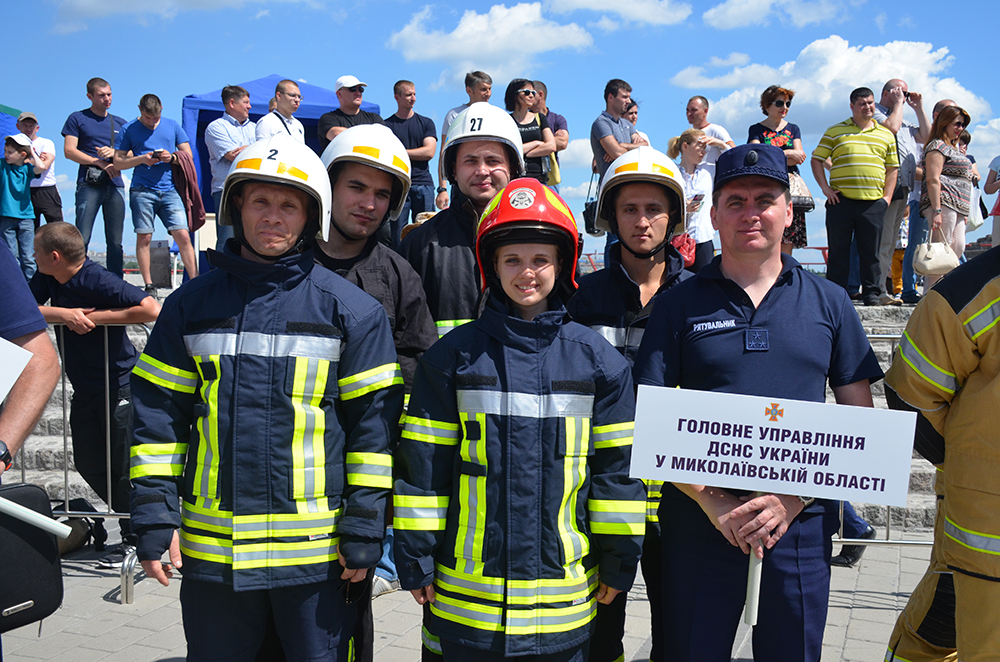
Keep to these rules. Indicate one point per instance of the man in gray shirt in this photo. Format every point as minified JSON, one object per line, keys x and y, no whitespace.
{"x":611,"y":135}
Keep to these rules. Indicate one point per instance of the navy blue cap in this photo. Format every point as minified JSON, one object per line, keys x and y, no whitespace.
{"x":754,"y":159}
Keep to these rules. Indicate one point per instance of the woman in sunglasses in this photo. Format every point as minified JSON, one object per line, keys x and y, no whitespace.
{"x":775,"y":102}
{"x":537,"y":138}
{"x":944,"y":200}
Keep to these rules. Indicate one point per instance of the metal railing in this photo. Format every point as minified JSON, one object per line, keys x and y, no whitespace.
{"x":131,"y":560}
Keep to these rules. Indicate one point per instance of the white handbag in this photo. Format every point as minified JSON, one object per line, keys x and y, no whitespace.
{"x":934,"y":258}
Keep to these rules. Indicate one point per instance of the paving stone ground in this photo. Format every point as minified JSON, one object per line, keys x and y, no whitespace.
{"x":92,"y":625}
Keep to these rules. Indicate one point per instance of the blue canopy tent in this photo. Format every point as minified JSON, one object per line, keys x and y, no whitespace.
{"x":198,"y":110}
{"x":8,"y":120}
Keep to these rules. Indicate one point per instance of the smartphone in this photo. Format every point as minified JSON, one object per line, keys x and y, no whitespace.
{"x":698,"y":197}
{"x":157,"y":153}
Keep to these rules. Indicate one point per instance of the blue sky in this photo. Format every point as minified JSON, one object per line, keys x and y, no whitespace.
{"x":668,"y":51}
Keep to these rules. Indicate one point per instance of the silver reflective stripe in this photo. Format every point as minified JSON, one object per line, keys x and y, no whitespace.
{"x":369,"y":469}
{"x":430,"y":430}
{"x":453,"y":612}
{"x":943,"y":380}
{"x":604,"y":437}
{"x":978,"y":542}
{"x":471,"y":586}
{"x":205,"y":548}
{"x":609,"y":517}
{"x":618,"y":336}
{"x":308,"y":432}
{"x":537,"y":618}
{"x":209,"y":440}
{"x":261,"y":344}
{"x":547,"y":591}
{"x":431,"y":643}
{"x":575,"y":472}
{"x":367,"y":382}
{"x":473,"y":514}
{"x":195,"y":518}
{"x":169,"y":377}
{"x":410,"y":512}
{"x":528,"y":405}
{"x":149,"y":458}
{"x":244,"y":530}
{"x":983,"y":320}
{"x":240,"y":556}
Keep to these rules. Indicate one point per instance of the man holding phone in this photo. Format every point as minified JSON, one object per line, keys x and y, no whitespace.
{"x":148,"y":146}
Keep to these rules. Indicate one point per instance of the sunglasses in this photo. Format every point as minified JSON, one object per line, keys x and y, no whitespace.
{"x":782,"y":104}
{"x":528,"y":93}
{"x":357,"y":89}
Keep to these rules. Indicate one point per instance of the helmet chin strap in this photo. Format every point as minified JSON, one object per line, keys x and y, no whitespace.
{"x":638,"y":255}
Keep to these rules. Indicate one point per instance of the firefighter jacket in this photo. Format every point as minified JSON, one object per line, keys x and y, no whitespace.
{"x":947,"y":367}
{"x":264,"y":403}
{"x":390,"y":279}
{"x":609,"y":302}
{"x":443,"y":253}
{"x":512,"y":491}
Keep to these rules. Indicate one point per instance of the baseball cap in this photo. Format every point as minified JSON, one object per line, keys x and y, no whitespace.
{"x":27,"y":116}
{"x":753,"y":159}
{"x":348,"y":81}
{"x":20,"y":139}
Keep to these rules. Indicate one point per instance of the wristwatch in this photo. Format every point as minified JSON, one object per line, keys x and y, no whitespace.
{"x":935,"y":212}
{"x":441,"y":189}
{"x":5,"y":457}
{"x":806,"y":501}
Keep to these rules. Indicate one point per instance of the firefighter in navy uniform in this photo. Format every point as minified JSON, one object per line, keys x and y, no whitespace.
{"x":482,"y":153}
{"x":264,"y":405}
{"x":514,"y":512}
{"x":641,"y":202}
{"x":947,"y":369}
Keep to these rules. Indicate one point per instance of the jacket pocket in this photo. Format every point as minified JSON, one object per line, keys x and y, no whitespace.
{"x":311,"y":383}
{"x":202,"y":472}
{"x":471,"y":490}
{"x":575,"y":447}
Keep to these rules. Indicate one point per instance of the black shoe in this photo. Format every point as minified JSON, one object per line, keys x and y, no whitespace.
{"x":871,"y":300}
{"x":911,"y":298}
{"x":116,"y":556}
{"x":851,"y":554}
{"x":150,"y":289}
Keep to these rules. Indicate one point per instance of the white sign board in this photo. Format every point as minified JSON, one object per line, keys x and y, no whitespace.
{"x":12,"y":362}
{"x":769,"y":445}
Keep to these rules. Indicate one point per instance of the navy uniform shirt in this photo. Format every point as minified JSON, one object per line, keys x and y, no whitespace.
{"x":20,"y":313}
{"x":704,"y":334}
{"x":93,"y":286}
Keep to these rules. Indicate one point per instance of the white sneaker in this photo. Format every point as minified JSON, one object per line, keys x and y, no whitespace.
{"x":381,"y":586}
{"x":889,"y":300}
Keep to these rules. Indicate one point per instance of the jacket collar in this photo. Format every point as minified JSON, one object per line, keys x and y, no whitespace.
{"x":287,"y":272}
{"x":675,"y":269}
{"x":502,"y":323}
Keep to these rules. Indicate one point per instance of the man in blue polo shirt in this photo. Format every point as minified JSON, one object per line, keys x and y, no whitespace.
{"x":73,"y":290}
{"x":751,"y":322}
{"x":148,"y":146}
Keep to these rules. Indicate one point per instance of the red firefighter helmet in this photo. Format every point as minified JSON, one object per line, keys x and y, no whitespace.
{"x":528,"y":212}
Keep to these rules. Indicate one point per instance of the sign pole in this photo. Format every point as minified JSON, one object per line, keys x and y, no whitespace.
{"x":753,"y":590}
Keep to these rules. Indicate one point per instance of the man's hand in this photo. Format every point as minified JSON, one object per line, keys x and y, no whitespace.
{"x":106,"y":153}
{"x":915,"y":100}
{"x":166,"y":156}
{"x":719,"y":505}
{"x":831,"y":194}
{"x":896,"y":96}
{"x":441,"y":200}
{"x":773,"y":514}
{"x":111,"y":170}
{"x":233,"y":153}
{"x":606,"y":594}
{"x":77,"y":321}
{"x":160,"y":571}
{"x":424,"y":594}
{"x":354,"y":574}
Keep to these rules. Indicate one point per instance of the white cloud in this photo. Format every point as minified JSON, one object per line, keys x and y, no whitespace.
{"x":262,"y":13}
{"x":653,"y":12}
{"x":605,"y":24}
{"x":577,"y":154}
{"x":744,"y":13}
{"x":503,"y":42}
{"x":578,"y":192}
{"x":880,"y":21}
{"x":733,"y":59}
{"x":72,"y":14}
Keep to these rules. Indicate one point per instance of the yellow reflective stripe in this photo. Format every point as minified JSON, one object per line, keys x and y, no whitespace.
{"x":984,"y":320}
{"x":431,"y":642}
{"x":284,"y":525}
{"x":616,"y":434}
{"x":550,"y":619}
{"x":625,"y":518}
{"x":979,"y":542}
{"x":207,"y":519}
{"x":284,"y":554}
{"x":370,"y":470}
{"x":478,"y":586}
{"x":206,"y":471}
{"x":654,"y":492}
{"x":431,"y":431}
{"x":575,"y":544}
{"x":419,"y":513}
{"x":370,"y":380}
{"x":444,"y":326}
{"x":469,"y":614}
{"x":161,"y":374}
{"x":472,"y":493}
{"x":308,"y":442}
{"x":206,"y":548}
{"x":157,"y":460}
{"x":924,"y":367}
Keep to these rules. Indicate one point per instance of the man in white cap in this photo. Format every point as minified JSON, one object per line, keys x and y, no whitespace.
{"x":44,"y":195}
{"x":349,"y":92}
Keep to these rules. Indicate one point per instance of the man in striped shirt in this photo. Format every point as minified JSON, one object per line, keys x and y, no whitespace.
{"x":863,"y":165}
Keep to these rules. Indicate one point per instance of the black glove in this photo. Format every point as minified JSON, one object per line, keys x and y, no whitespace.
{"x":153,"y":542}
{"x":360,"y":552}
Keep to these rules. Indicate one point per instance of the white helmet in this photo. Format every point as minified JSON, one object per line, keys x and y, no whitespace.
{"x":643,"y":164}
{"x":481,"y":121}
{"x":375,"y":146}
{"x":279,"y":159}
